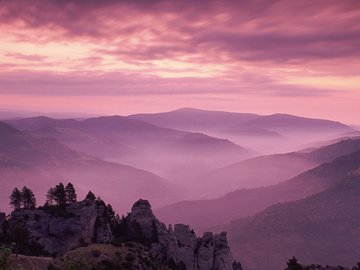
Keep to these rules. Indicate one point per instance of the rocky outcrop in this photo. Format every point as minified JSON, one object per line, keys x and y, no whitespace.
{"x":103,"y":233}
{"x":2,"y":224}
{"x":58,"y":230}
{"x":181,"y":246}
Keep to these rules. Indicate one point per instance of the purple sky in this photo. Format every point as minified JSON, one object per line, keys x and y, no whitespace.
{"x":120,"y":57}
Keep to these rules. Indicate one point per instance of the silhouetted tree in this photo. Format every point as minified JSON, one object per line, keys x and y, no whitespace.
{"x":293,"y":264}
{"x":70,"y":193}
{"x":15,"y":199}
{"x":90,"y":196}
{"x":357,"y":266}
{"x":28,"y":198}
{"x":50,"y":197}
{"x":236,"y":265}
{"x":110,"y":213}
{"x":60,"y":194}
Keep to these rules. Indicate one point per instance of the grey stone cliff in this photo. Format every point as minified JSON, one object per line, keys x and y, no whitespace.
{"x":60,"y":231}
{"x":57,"y":230}
{"x":181,"y":245}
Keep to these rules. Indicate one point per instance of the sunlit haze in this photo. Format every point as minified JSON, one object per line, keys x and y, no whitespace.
{"x":122,"y":57}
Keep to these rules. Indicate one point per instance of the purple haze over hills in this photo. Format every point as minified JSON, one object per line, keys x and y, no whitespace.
{"x":175,"y":160}
{"x":42,"y":162}
{"x":267,"y":134}
{"x":171,"y":153}
{"x":323,"y":228}
{"x":204,"y":214}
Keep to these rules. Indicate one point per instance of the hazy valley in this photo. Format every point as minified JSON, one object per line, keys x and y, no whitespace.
{"x":179,"y":135}
{"x":272,"y":205}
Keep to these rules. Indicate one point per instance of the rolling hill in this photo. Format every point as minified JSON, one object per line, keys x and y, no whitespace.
{"x":290,"y":123}
{"x":42,"y":162}
{"x":191,"y":119}
{"x":329,"y":219}
{"x":173,"y":153}
{"x":274,"y":168}
{"x":203,"y":214}
{"x":267,"y":134}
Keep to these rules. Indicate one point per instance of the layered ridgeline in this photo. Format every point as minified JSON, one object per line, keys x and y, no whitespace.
{"x":266,"y":134}
{"x":89,"y":233}
{"x":314,"y":216}
{"x":323,"y":228}
{"x":269,"y":169}
{"x":164,"y":151}
{"x":340,"y":160}
{"x":42,"y":162}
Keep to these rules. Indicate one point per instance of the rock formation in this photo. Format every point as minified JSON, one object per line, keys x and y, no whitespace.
{"x":57,"y":230}
{"x":181,"y":245}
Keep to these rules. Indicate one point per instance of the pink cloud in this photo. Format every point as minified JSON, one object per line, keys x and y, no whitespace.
{"x":260,"y":48}
{"x":281,"y":31}
{"x":120,"y":84}
{"x":26,"y":57}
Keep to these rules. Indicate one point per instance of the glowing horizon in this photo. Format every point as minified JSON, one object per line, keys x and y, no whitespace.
{"x":123,"y":57}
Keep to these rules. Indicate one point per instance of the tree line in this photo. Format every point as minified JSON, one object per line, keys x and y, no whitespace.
{"x":59,"y":195}
{"x":22,"y":199}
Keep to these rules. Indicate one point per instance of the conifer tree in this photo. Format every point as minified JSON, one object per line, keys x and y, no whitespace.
{"x":90,"y":196}
{"x":70,"y":193}
{"x":110,"y":214}
{"x":15,"y":199}
{"x":60,"y":194}
{"x":28,"y":198}
{"x":356,"y":267}
{"x":236,"y":265}
{"x":50,"y":197}
{"x":293,"y":264}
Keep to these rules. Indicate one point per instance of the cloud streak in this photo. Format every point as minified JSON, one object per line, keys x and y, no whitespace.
{"x":272,"y":48}
{"x":241,"y":30}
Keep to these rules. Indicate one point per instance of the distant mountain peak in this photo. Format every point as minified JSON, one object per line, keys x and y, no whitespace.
{"x":187,"y":109}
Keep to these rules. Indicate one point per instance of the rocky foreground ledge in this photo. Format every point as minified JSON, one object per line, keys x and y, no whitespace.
{"x":53,"y":231}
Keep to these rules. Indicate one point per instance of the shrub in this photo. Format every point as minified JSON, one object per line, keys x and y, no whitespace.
{"x":5,"y":254}
{"x":95,"y":253}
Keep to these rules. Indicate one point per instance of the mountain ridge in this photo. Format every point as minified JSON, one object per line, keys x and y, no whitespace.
{"x":164,"y":151}
{"x":329,"y":218}
{"x":207,"y":213}
{"x":29,"y":160}
{"x":266,"y":134}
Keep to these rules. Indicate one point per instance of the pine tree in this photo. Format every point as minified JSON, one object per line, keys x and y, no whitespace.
{"x":70,"y":193}
{"x":110,"y":213}
{"x":293,"y":264}
{"x":50,"y":197}
{"x":60,"y":194}
{"x":236,"y":265}
{"x":15,"y":199}
{"x":90,"y":196}
{"x":28,"y":198}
